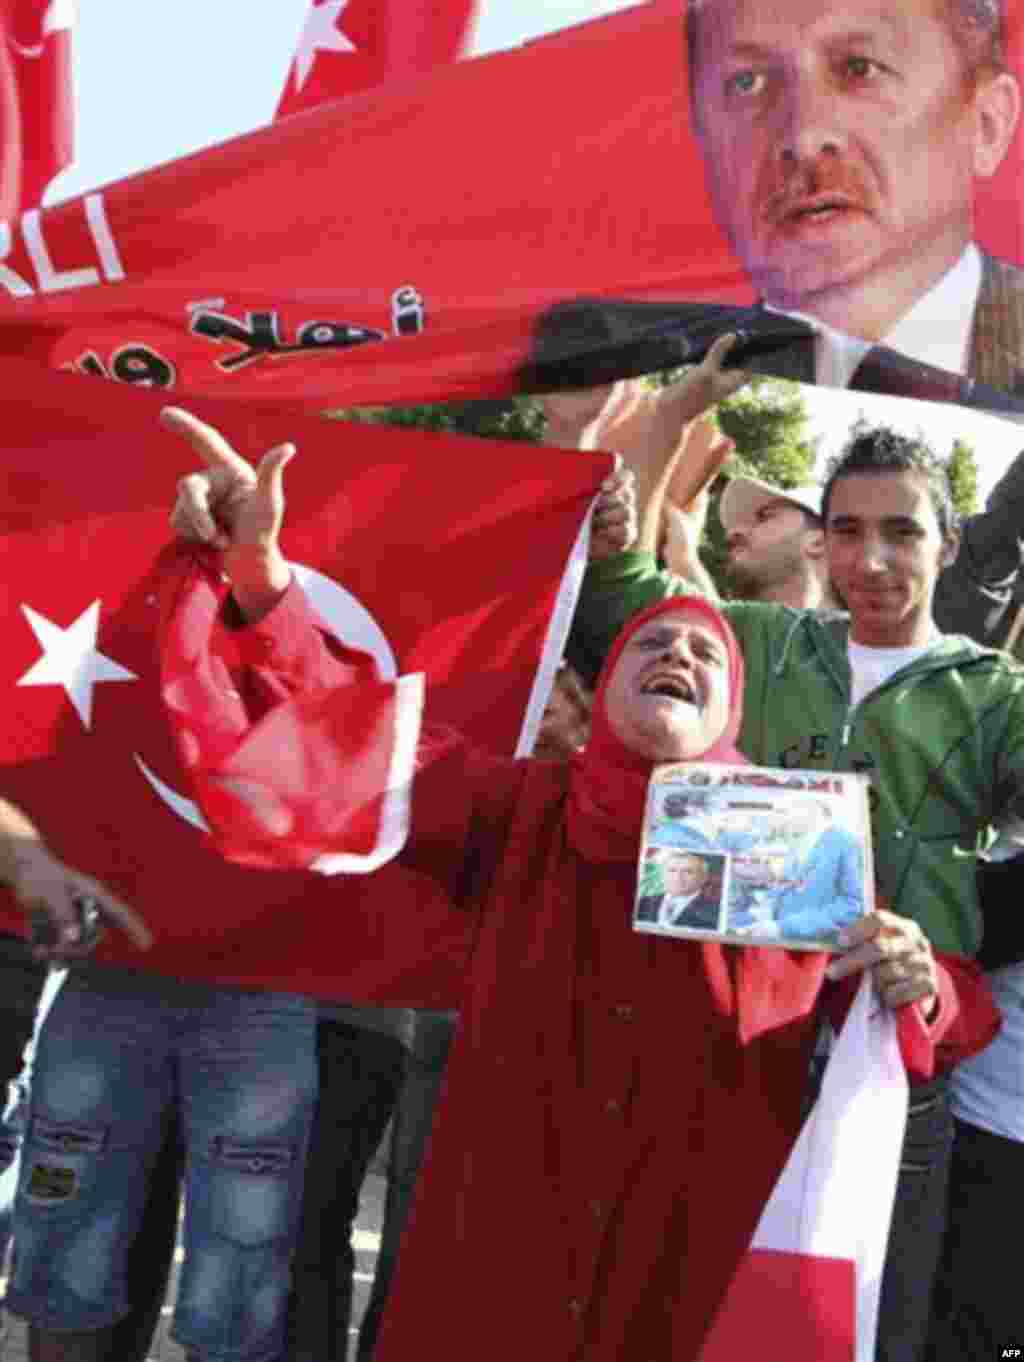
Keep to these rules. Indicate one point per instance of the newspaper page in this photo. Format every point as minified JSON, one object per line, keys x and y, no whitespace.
{"x":754,"y":856}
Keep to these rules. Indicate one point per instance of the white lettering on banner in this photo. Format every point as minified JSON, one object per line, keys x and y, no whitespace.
{"x":96,"y":214}
{"x":50,"y":278}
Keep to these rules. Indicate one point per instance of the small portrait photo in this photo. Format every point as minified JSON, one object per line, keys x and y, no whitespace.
{"x":681,"y":890}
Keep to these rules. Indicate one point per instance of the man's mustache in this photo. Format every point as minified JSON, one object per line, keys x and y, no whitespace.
{"x":816,"y":186}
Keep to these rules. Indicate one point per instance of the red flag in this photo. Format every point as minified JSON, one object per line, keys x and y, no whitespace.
{"x":284,"y":264}
{"x":812,"y":1301}
{"x":415,"y":538}
{"x":289,"y":263}
{"x":815,"y":1262}
{"x":38,"y":138}
{"x":351,"y":45}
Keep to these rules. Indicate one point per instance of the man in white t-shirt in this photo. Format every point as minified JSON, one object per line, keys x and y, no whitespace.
{"x":936,"y":722}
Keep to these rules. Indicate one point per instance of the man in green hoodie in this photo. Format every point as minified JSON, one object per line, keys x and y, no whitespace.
{"x":935,"y":720}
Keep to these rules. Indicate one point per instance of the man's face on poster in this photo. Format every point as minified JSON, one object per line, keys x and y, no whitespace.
{"x":842,"y":141}
{"x":684,"y":875}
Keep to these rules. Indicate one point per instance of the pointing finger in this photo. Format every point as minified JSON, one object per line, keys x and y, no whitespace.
{"x":207,"y":442}
{"x":719,"y":349}
{"x":270,"y":473}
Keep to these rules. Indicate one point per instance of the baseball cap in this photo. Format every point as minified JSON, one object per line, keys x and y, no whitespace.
{"x":743,"y":496}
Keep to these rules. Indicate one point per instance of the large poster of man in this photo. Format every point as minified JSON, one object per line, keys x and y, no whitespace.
{"x":837,"y":181}
{"x":843,"y":144}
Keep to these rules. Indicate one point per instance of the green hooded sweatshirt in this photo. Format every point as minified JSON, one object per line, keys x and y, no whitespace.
{"x":942,"y":740}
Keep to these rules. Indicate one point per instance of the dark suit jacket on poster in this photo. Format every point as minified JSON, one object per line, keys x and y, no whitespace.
{"x":997,"y":336}
{"x":588,"y":340}
{"x":702,"y":912}
{"x":977,"y":594}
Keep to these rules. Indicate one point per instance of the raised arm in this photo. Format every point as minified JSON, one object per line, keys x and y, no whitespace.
{"x":658,"y":433}
{"x":303,"y":753}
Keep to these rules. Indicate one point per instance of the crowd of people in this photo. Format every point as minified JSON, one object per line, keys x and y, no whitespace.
{"x":267,"y":1108}
{"x":606,"y":1110}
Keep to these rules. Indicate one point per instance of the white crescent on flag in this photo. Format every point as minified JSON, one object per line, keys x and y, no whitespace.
{"x":347,"y":618}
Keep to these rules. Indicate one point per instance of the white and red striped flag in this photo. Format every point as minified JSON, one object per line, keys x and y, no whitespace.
{"x":814,"y":1268}
{"x":37,"y":98}
{"x":351,"y":45}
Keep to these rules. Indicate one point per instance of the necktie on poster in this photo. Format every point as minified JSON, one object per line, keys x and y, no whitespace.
{"x":539,"y":217}
{"x":37,"y":129}
{"x":410,"y":546}
{"x":350,"y":45}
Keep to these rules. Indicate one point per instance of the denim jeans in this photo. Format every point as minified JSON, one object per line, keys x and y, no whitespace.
{"x":360,"y":1073}
{"x":118,"y":1054}
{"x":375,"y":1062}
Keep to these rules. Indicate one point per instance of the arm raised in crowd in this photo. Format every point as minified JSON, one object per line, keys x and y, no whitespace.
{"x":652,"y":430}
{"x":57,"y":898}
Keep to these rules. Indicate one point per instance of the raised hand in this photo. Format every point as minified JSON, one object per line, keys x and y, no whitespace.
{"x":236,"y":507}
{"x":613,"y":527}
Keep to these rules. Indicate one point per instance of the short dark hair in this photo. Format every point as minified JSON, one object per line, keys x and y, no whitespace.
{"x":977,"y":28}
{"x":880,"y":449}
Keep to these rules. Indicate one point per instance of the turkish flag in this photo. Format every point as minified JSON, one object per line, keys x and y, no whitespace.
{"x":283,"y":265}
{"x":350,"y":45}
{"x":811,"y":1300}
{"x":38,"y":98}
{"x":814,"y":1266}
{"x":417,"y":242}
{"x":438,"y":554}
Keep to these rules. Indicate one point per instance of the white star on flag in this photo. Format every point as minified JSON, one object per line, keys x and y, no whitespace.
{"x":321,"y":34}
{"x":70,"y":658}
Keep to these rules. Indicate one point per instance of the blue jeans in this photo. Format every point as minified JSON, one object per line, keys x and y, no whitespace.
{"x":118,"y":1054}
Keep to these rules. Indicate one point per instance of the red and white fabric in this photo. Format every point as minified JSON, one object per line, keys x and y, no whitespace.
{"x":37,"y":127}
{"x":351,"y":45}
{"x":815,"y":1263}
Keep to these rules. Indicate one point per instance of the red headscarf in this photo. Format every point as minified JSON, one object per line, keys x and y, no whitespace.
{"x":764,"y":987}
{"x":610,"y":780}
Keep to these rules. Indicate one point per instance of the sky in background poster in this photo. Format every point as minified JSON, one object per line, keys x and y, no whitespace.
{"x":149,"y":93}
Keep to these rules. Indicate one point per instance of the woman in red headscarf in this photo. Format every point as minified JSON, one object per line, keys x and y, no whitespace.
{"x":619,"y":1105}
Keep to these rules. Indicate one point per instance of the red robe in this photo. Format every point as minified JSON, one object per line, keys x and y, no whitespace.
{"x":618,"y":1105}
